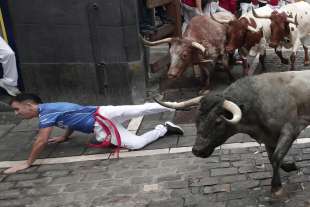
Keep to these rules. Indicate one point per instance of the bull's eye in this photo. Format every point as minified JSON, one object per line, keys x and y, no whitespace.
{"x":184,"y":56}
{"x":286,"y":40}
{"x":218,"y":120}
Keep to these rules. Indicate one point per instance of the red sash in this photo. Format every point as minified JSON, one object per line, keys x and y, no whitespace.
{"x":190,"y":3}
{"x":107,"y":141}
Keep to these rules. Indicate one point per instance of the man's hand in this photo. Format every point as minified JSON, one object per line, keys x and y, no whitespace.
{"x":60,"y":138}
{"x":16,"y":168}
{"x":57,"y":139}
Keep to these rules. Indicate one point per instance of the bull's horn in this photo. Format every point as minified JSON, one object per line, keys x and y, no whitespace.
{"x":181,"y":105}
{"x":219,"y":21}
{"x":252,"y":29}
{"x":199,"y":46}
{"x":207,"y":61}
{"x":158,"y":42}
{"x":293,"y":21}
{"x":234,"y":109}
{"x":259,"y":16}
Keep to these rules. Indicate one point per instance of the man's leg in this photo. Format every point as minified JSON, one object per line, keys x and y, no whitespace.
{"x":8,"y":61}
{"x":244,"y":8}
{"x":10,"y":75}
{"x":134,"y":142}
{"x":126,"y":112}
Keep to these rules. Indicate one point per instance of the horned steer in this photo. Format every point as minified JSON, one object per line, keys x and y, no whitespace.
{"x":290,"y":26}
{"x":250,"y":33}
{"x":273,"y":108}
{"x":202,"y":43}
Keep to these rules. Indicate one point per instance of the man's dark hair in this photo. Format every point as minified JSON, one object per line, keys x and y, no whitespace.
{"x":26,"y":97}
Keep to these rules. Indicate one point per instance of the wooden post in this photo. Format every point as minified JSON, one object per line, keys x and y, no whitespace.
{"x":155,"y":3}
{"x":174,"y":11}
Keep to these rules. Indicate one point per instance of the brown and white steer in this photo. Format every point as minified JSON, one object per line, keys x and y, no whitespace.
{"x":250,"y":34}
{"x":290,"y":26}
{"x":203,"y":44}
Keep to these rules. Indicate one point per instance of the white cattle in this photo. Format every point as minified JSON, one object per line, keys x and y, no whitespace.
{"x":290,"y":27}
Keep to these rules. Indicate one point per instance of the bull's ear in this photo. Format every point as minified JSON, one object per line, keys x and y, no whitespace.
{"x":219,"y":120}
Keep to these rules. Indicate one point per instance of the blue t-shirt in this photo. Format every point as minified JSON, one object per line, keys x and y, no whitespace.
{"x":67,"y":115}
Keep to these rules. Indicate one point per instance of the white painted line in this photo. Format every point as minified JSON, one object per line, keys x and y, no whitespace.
{"x":303,"y":140}
{"x":139,"y":153}
{"x":123,"y":154}
{"x":240,"y":145}
{"x":134,"y":124}
{"x":180,"y":149}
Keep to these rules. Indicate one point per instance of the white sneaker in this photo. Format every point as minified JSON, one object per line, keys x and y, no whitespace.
{"x":12,"y":90}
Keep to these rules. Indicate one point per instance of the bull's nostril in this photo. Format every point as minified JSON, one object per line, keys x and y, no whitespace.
{"x":171,"y":76}
{"x":229,"y":49}
{"x":272,"y":44}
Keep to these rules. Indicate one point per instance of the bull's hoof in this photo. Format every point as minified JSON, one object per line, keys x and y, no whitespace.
{"x":289,"y":167}
{"x":307,"y":62}
{"x":280,"y":194}
{"x":285,"y":61}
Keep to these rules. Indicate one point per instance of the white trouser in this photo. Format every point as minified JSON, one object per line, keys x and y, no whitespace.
{"x":213,"y":7}
{"x":119,"y":114}
{"x":8,"y":61}
{"x":246,"y":7}
{"x":188,"y":13}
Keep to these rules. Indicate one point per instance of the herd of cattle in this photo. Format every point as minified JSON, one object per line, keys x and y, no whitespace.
{"x":273,"y":108}
{"x":213,"y":39}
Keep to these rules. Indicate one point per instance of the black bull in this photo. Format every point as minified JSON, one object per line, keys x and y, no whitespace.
{"x":273,"y":108}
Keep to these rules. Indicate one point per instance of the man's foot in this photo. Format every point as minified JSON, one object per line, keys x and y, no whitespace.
{"x":12,"y":90}
{"x":173,"y":129}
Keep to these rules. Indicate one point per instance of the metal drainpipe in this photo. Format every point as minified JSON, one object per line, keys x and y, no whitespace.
{"x":91,"y":9}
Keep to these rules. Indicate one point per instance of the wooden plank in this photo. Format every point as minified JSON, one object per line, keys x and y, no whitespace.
{"x":159,"y":63}
{"x":162,"y":32}
{"x":174,"y":11}
{"x":155,"y":3}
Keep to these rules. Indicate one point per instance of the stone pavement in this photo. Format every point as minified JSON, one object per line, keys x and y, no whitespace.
{"x":230,"y":177}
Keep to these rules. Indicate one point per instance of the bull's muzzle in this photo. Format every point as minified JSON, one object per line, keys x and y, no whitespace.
{"x":200,"y":152}
{"x":273,"y":44}
{"x":174,"y":73}
{"x":172,"y":76}
{"x":229,"y":49}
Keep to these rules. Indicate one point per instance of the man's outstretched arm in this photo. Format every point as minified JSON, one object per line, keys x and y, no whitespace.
{"x":37,"y":147}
